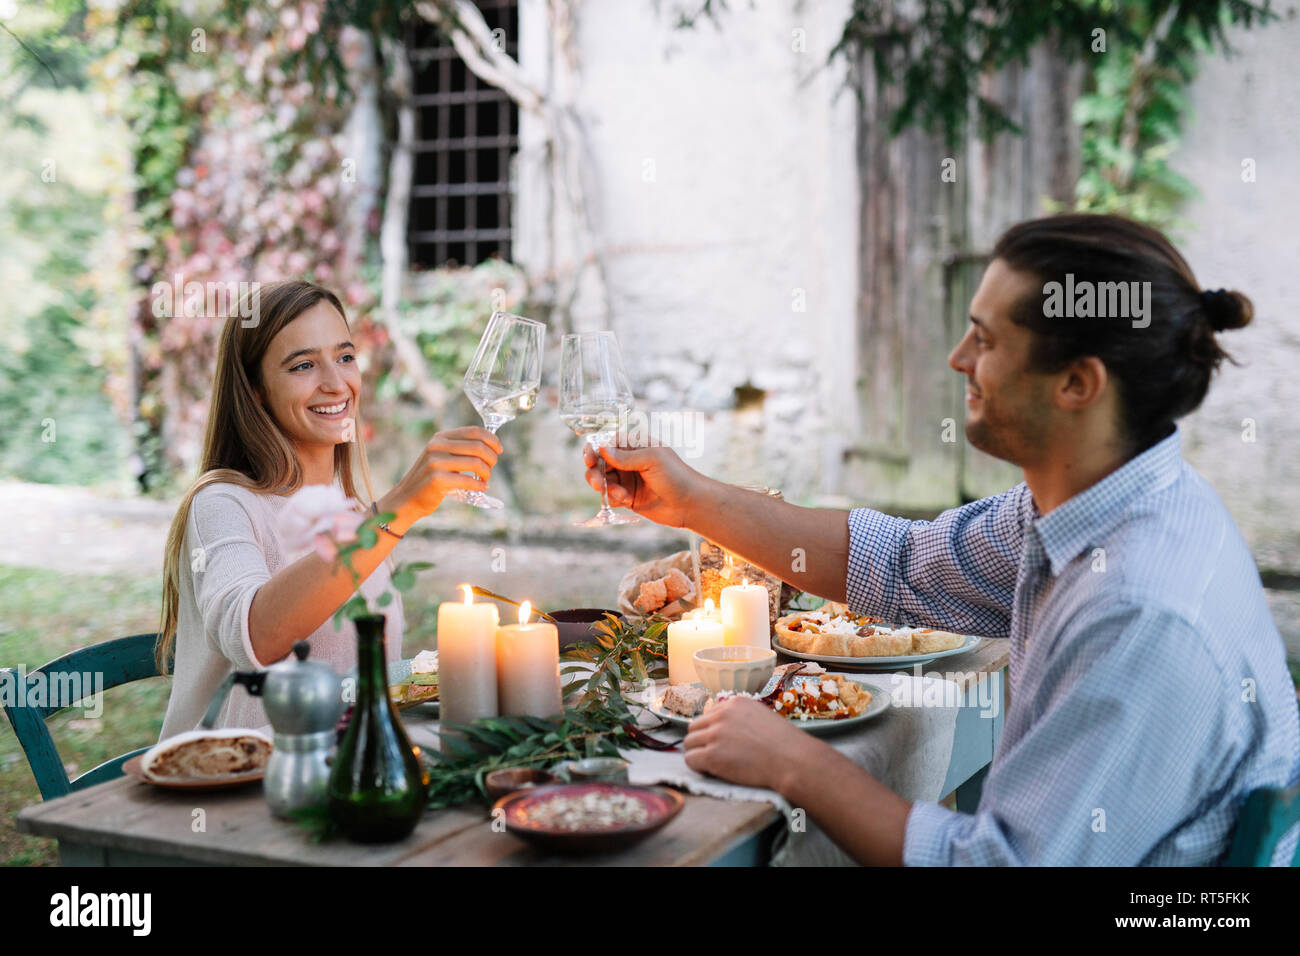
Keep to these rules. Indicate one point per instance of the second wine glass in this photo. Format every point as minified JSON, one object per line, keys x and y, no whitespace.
{"x":502,"y":380}
{"x":595,"y":396}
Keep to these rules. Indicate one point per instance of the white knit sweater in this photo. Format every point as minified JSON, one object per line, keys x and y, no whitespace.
{"x":232,"y":547}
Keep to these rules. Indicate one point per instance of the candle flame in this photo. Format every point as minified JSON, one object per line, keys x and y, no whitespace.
{"x":708,"y":606}
{"x":469,"y":593}
{"x":525,"y":612}
{"x":746,"y":582}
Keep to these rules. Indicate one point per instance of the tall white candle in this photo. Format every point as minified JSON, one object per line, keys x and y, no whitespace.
{"x":745,"y":616}
{"x":467,"y":662}
{"x":528,"y":667}
{"x":684,"y":639}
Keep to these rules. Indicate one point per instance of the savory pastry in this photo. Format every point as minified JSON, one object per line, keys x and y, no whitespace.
{"x":926,"y":640}
{"x":207,"y":753}
{"x":828,"y":697}
{"x":804,"y":691}
{"x":833,"y":631}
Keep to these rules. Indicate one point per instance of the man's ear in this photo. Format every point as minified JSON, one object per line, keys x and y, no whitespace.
{"x":1085,"y":382}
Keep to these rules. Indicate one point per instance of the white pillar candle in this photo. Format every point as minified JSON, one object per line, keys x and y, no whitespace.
{"x":528,"y":667}
{"x":467,"y":661}
{"x":745,"y":617}
{"x":684,"y":639}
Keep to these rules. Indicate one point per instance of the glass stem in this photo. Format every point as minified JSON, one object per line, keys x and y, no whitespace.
{"x":604,"y":480}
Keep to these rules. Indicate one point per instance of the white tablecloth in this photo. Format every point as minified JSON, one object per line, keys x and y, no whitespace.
{"x":907,"y":748}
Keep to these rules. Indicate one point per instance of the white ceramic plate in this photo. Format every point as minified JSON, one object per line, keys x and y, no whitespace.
{"x":875,"y":663}
{"x":879,"y":704}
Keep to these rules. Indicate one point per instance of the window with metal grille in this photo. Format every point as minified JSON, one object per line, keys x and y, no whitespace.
{"x":468,"y":130}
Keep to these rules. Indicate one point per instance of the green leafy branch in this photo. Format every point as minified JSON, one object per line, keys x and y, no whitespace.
{"x":597,"y":728}
{"x":367,"y":536}
{"x":624,"y":652}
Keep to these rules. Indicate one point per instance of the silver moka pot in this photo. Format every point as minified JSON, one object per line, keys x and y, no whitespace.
{"x":303,"y":701}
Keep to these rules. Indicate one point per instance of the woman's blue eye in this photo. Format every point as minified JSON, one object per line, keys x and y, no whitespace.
{"x":300,"y":365}
{"x":349,"y":357}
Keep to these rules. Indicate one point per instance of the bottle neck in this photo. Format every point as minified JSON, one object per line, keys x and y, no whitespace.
{"x":372,"y":661}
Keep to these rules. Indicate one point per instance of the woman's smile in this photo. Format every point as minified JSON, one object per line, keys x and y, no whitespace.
{"x":334,"y":410}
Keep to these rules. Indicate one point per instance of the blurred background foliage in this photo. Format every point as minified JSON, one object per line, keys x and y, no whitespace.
{"x":213,"y":152}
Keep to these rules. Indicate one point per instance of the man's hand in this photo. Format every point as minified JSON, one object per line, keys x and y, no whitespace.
{"x":653,"y":482}
{"x":742,"y":741}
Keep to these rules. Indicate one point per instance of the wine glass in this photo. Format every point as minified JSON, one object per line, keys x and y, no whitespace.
{"x":502,"y":381}
{"x":595,"y":395}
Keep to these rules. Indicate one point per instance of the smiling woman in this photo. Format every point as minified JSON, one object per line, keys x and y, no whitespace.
{"x":284,"y":414}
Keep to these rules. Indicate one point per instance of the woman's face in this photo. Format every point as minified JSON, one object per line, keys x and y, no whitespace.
{"x":310,"y":380}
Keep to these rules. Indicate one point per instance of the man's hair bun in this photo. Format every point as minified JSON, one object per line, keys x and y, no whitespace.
{"x":1226,"y":309}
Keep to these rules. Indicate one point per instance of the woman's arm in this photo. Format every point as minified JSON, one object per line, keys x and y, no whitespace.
{"x":300,"y":598}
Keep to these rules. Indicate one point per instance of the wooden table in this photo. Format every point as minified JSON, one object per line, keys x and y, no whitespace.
{"x":126,"y":823}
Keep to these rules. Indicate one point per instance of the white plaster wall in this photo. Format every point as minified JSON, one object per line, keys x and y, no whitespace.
{"x":723,"y":165}
{"x":1247,"y":236}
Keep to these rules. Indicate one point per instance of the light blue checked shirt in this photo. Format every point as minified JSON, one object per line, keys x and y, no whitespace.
{"x":1149,"y":688}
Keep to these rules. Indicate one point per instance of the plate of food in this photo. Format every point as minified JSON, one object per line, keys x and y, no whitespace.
{"x":203,"y":760}
{"x":414,"y":682}
{"x":806,"y":693}
{"x":588,"y":817}
{"x":832,"y":634}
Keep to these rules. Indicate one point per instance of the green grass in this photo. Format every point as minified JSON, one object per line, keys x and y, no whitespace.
{"x":44,"y":614}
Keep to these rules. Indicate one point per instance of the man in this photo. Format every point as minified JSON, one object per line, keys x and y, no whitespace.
{"x":1149,"y":691}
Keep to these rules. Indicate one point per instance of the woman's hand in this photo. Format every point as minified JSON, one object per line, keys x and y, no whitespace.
{"x":742,"y":741}
{"x":653,"y":482}
{"x":439,"y":469}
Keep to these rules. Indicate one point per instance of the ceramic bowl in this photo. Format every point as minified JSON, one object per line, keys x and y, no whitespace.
{"x":735,"y":668}
{"x":502,"y":783}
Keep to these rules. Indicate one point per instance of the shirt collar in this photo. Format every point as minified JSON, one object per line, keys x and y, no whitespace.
{"x":1084,"y":519}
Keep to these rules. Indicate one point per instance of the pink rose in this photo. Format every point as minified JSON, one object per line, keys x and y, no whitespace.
{"x":311,"y":511}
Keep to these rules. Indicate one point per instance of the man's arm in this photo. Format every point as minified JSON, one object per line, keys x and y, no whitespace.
{"x":805,"y":547}
{"x":957,"y":572}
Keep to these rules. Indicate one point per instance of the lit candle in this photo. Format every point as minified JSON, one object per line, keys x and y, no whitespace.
{"x":467,"y":663}
{"x":684,"y":639}
{"x":708,"y":611}
{"x":745,"y":616}
{"x":528,"y":667}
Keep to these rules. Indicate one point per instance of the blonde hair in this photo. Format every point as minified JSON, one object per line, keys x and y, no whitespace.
{"x":243,"y":444}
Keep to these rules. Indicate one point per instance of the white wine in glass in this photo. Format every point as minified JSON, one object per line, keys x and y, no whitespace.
{"x":595,"y":398}
{"x":502,"y":381}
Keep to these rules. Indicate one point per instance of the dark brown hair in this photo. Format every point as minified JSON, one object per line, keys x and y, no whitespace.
{"x":1163,"y":370}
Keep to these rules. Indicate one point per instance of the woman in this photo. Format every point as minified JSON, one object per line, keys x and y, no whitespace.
{"x":284,"y":414}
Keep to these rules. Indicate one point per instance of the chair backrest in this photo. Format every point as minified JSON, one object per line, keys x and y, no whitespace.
{"x":30,"y":701}
{"x":1265,"y":818}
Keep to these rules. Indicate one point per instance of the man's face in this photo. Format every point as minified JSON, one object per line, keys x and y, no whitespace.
{"x":1008,"y":410}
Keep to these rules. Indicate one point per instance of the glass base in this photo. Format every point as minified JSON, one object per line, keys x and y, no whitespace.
{"x":476,"y":498}
{"x":607,"y":516}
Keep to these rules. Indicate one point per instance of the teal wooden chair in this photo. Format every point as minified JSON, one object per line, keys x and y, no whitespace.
{"x":1265,"y":818}
{"x":120,"y":662}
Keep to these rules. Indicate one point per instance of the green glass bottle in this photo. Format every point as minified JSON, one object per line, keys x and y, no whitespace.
{"x":376,"y":789}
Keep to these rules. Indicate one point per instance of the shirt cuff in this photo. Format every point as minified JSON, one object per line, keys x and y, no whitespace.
{"x":927,"y":838}
{"x":875,"y":540}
